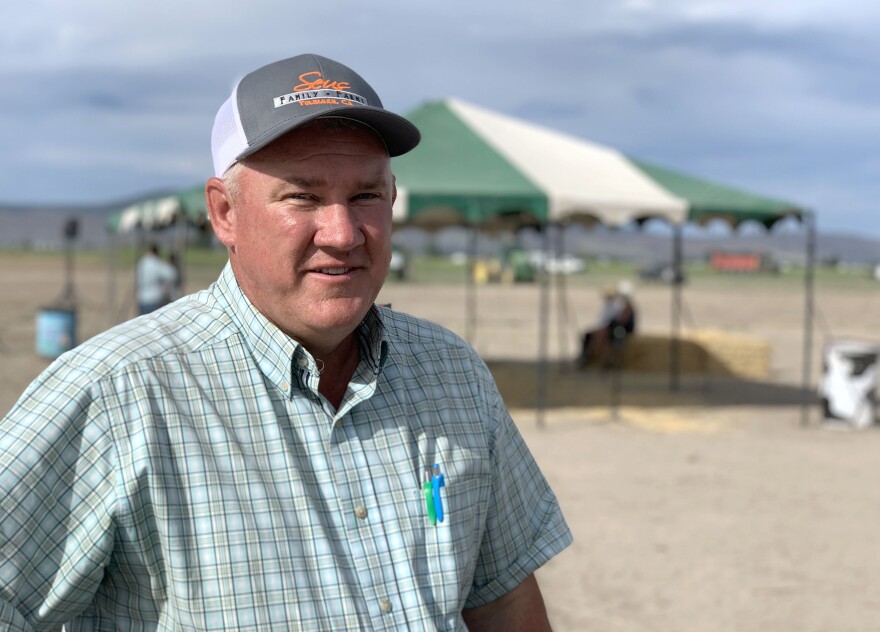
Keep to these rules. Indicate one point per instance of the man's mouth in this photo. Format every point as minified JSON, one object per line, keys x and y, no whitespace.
{"x":334,"y":271}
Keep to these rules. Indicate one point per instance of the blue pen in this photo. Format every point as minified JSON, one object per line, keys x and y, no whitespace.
{"x":437,"y":482}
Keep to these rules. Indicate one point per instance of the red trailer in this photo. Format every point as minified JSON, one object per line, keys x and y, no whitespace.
{"x":741,"y":262}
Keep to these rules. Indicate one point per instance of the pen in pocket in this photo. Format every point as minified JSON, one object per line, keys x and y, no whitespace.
{"x":433,"y":500}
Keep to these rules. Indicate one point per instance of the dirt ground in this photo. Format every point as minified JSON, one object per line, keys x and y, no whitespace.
{"x":707,"y":508}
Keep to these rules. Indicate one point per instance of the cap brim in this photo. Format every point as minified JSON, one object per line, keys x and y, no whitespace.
{"x":398,"y":133}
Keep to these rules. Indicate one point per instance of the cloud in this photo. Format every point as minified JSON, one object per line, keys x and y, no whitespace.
{"x":105,"y":98}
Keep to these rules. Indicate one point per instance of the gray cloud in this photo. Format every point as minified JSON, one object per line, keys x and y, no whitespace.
{"x":103,"y":99}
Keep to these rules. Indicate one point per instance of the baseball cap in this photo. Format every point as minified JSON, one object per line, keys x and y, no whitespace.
{"x":279,"y":97}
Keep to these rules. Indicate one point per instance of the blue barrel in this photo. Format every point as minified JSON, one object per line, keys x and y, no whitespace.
{"x":56,"y":331}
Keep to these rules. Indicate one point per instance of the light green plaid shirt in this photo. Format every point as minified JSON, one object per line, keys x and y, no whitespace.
{"x":182,"y":472}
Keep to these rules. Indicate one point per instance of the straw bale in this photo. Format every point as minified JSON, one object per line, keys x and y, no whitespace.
{"x":701,"y":351}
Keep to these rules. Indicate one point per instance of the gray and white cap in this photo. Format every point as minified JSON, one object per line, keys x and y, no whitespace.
{"x":273,"y":100}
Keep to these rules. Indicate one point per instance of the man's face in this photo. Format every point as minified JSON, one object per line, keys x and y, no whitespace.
{"x":310,"y":236}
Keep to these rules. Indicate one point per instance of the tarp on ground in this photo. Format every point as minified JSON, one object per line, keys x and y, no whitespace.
{"x":475,"y":166}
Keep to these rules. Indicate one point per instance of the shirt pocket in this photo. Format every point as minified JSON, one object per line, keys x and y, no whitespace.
{"x":453,"y":545}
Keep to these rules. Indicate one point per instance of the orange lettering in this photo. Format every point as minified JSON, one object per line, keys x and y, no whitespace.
{"x":310,"y":102}
{"x":315,"y":81}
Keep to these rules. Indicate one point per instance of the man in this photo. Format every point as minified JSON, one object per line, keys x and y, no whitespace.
{"x":156,"y":279}
{"x":277,"y":452}
{"x":596,"y":341}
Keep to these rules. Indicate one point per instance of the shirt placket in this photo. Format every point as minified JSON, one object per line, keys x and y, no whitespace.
{"x":359,"y":504}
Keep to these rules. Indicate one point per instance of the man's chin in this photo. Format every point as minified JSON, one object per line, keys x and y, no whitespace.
{"x":341,"y":313}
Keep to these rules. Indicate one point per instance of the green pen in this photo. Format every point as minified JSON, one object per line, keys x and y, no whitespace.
{"x":429,"y":501}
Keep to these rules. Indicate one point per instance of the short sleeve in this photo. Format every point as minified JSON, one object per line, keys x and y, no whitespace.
{"x":525,"y":527}
{"x":57,"y":491}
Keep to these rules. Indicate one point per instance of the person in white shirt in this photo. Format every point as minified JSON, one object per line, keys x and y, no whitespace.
{"x":155,"y":280}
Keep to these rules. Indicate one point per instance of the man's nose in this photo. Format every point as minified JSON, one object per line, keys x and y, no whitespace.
{"x":339,"y":227}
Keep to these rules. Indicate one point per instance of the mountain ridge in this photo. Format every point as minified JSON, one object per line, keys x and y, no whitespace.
{"x":41,"y":226}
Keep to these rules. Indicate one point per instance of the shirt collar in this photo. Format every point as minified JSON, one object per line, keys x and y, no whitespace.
{"x":371,"y":334}
{"x":277,"y":354}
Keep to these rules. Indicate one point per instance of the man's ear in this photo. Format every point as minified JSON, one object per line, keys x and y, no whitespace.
{"x":220,"y":211}
{"x":393,"y":189}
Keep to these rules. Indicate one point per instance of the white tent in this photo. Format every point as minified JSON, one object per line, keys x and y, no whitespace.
{"x":474,"y":165}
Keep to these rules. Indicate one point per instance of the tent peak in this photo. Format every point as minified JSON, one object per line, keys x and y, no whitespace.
{"x":485,"y":162}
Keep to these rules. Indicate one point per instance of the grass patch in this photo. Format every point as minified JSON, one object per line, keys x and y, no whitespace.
{"x":207,"y":262}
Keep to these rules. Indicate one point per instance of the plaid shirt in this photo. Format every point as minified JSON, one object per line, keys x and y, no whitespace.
{"x":181,"y":471}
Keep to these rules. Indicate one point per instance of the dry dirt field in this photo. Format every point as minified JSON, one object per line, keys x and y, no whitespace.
{"x":711,"y":508}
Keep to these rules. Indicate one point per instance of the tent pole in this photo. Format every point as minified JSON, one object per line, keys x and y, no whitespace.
{"x":139,"y":251}
{"x":675,"y":338}
{"x":111,"y":279}
{"x":471,"y":318}
{"x":809,"y":304}
{"x":180,"y":251}
{"x":543,"y":334}
{"x":561,"y":297}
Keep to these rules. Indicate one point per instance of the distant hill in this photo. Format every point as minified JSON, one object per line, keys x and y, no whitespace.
{"x":41,"y":227}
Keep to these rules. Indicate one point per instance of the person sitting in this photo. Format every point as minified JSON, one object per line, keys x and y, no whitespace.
{"x":595,"y":339}
{"x":616,"y":321}
{"x":623,"y":323}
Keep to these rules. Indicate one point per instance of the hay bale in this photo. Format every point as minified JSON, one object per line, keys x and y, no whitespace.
{"x":742,"y":355}
{"x":701,"y":351}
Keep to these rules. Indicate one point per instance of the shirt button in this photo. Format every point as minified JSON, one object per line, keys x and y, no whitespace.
{"x":385,"y":606}
{"x":284,"y":386}
{"x":303,"y":362}
{"x":360,"y":512}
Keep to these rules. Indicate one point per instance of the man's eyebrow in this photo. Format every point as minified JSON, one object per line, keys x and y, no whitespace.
{"x":376,"y":182}
{"x":379,"y":182}
{"x":305,"y":183}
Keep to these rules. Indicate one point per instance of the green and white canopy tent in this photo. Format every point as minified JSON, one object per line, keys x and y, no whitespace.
{"x":186,"y":206}
{"x":480,"y":168}
{"x":477,"y":167}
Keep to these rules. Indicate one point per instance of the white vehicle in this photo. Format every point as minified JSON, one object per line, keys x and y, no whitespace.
{"x":565,"y":264}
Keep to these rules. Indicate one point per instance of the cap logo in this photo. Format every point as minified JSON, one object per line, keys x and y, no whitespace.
{"x":313,"y":89}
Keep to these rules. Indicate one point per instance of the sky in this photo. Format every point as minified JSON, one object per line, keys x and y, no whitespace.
{"x":105,"y":100}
